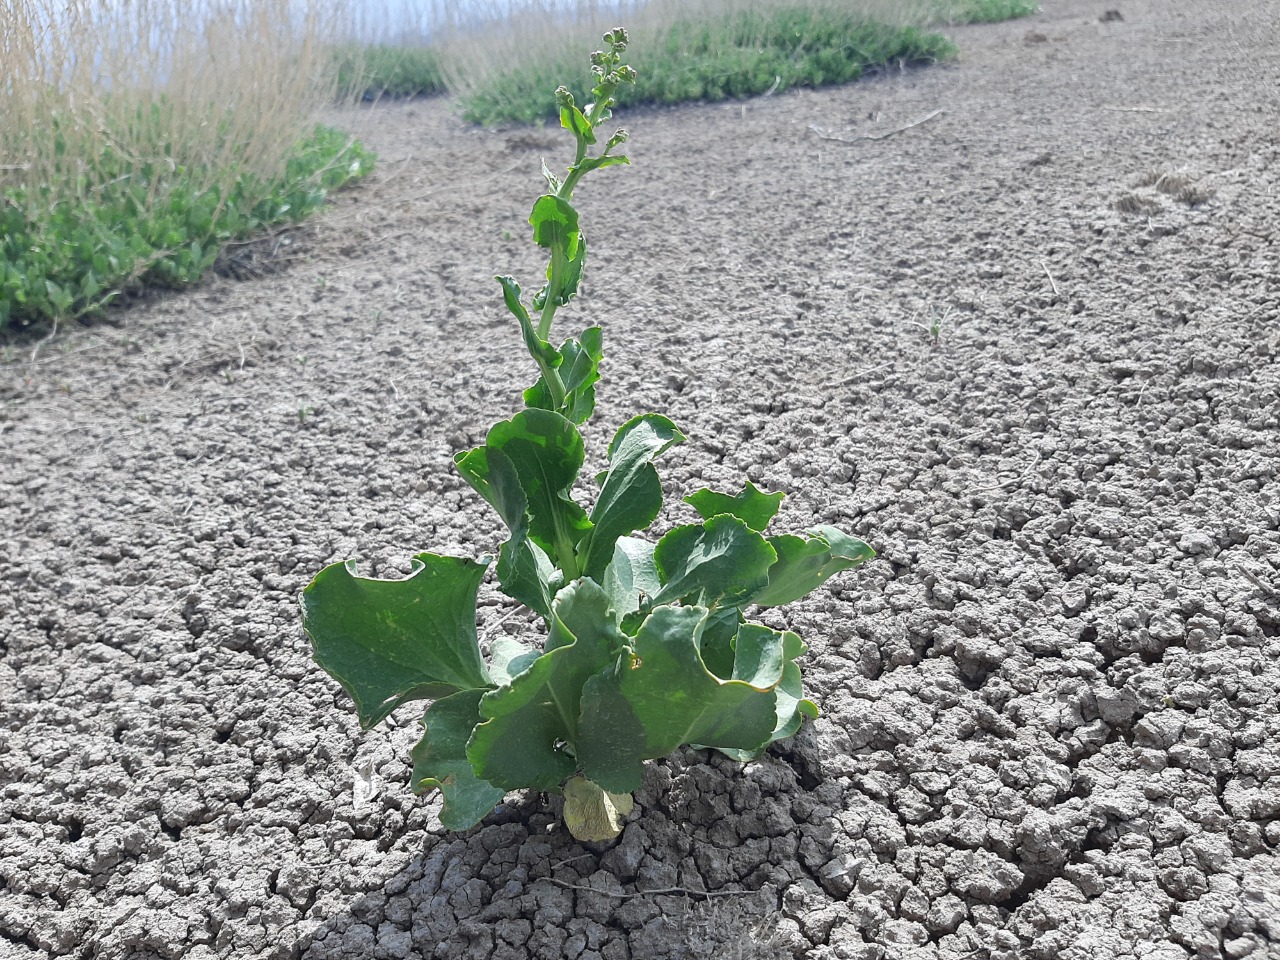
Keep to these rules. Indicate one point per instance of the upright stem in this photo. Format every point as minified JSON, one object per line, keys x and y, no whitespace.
{"x":554,"y":280}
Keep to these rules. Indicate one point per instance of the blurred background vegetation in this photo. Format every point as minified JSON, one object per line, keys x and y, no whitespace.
{"x":139,"y":138}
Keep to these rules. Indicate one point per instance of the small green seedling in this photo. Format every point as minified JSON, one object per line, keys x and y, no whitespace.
{"x":937,"y":322}
{"x":647,"y":648}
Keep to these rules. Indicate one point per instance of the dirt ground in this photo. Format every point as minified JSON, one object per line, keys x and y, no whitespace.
{"x":1027,"y":348}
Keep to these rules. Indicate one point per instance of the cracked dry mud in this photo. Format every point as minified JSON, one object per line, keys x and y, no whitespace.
{"x":1050,"y":723}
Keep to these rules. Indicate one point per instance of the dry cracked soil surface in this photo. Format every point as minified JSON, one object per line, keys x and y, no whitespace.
{"x":1027,"y":348}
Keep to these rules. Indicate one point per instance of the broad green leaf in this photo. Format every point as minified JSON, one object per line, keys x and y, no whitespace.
{"x":718,"y":637}
{"x":529,"y":721}
{"x":508,"y":658}
{"x":524,"y":570}
{"x":585,"y":611}
{"x":793,"y":709}
{"x":758,"y":653}
{"x":803,"y":564}
{"x":593,"y":814}
{"x":391,"y":641}
{"x":536,"y":346}
{"x":579,"y":370}
{"x":555,"y":224}
{"x":720,"y":562}
{"x":612,"y":744}
{"x":631,"y":495}
{"x":752,"y":507}
{"x":631,"y":579}
{"x":546,"y":453}
{"x":674,"y":699}
{"x":440,"y":761}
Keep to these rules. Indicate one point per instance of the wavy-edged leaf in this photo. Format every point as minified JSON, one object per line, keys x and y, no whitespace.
{"x":671,"y":698}
{"x":579,"y":370}
{"x":752,"y":507}
{"x":555,"y":224}
{"x":440,"y":761}
{"x":719,"y":562}
{"x":528,"y":723}
{"x":546,"y":453}
{"x":524,"y":570}
{"x":631,"y":494}
{"x":571,"y":272}
{"x":803,"y":564}
{"x":595,"y":163}
{"x":792,"y":708}
{"x":718,"y":637}
{"x":391,"y":641}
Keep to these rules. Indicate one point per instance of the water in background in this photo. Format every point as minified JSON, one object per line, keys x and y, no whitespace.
{"x":417,"y":21}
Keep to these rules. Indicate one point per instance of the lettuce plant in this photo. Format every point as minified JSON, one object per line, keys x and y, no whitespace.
{"x":647,"y":644}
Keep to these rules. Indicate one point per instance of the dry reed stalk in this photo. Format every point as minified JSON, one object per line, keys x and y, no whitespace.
{"x":95,"y":92}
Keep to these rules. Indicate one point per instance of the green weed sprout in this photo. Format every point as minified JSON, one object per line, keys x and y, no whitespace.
{"x":647,"y":644}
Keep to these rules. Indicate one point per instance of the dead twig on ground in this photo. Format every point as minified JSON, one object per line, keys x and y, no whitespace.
{"x":825,"y":135}
{"x":1258,"y":582}
{"x":1053,"y":285}
{"x":622,"y":895}
{"x":1018,"y":479}
{"x":857,"y":376}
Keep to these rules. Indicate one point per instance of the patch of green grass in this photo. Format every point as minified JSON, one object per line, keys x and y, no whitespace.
{"x":732,"y":56}
{"x":69,"y":252}
{"x":984,"y":11}
{"x":388,"y":71}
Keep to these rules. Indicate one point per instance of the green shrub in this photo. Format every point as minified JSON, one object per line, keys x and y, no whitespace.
{"x":984,"y":11}
{"x":71,"y":251}
{"x":384,"y":70}
{"x":735,"y":55}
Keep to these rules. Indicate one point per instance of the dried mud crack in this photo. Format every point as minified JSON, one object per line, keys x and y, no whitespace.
{"x":1028,"y":350}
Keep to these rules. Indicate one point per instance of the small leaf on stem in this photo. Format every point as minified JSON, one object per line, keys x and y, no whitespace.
{"x":803,"y":564}
{"x":631,"y":494}
{"x":579,"y":371}
{"x":440,"y":761}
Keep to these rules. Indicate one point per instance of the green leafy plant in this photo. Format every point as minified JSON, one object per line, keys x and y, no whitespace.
{"x":150,"y":226}
{"x":382,"y":70}
{"x":718,"y":56}
{"x":648,"y":646}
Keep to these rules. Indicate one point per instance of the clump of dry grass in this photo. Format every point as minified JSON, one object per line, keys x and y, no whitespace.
{"x":133,"y":131}
{"x":220,"y":88}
